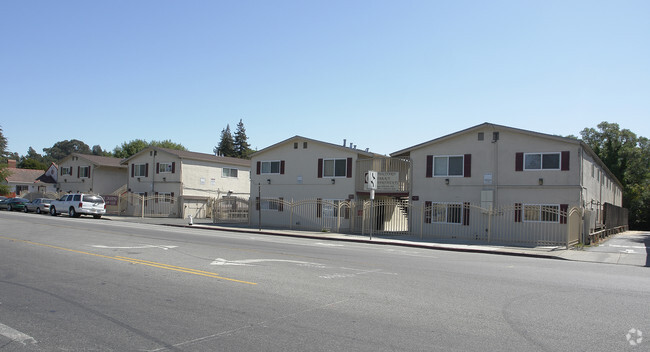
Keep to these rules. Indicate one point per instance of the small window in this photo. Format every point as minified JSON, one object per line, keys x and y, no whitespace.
{"x":304,"y":145}
{"x":335,"y":167}
{"x":270,"y":204}
{"x":330,"y":207}
{"x":448,"y":166}
{"x":495,"y":136}
{"x":228,"y":172}
{"x":481,"y":136}
{"x":66,"y":171}
{"x":541,"y":213}
{"x":451,"y":213}
{"x":84,"y":171}
{"x":165,"y":168}
{"x":270,"y":167}
{"x":295,"y":145}
{"x":139,"y":170}
{"x":542,"y":161}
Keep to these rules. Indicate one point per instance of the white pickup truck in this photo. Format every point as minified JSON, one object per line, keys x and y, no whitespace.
{"x":77,"y":204}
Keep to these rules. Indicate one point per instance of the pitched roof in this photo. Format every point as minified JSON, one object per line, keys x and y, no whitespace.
{"x":97,"y":160}
{"x":27,"y":176}
{"x":196,"y":156}
{"x":336,"y":146}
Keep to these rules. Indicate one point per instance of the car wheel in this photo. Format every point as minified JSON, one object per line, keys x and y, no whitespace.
{"x":72,"y":213}
{"x":25,"y":209}
{"x":53,"y":211}
{"x":9,"y":208}
{"x":38,"y":210}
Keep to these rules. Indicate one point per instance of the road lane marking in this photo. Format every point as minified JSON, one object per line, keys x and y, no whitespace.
{"x":138,"y":261}
{"x":134,"y":247}
{"x":15,"y":335}
{"x":249,"y":262}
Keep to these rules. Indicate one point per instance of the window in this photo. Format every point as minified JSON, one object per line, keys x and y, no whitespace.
{"x":20,"y":189}
{"x":84,"y":171}
{"x":334,"y":167}
{"x":542,"y":161}
{"x":165,"y":197}
{"x":304,"y":145}
{"x":271,"y":167}
{"x":140,"y":170}
{"x":541,"y":213}
{"x":66,"y":171}
{"x":270,"y":204}
{"x":481,"y":136}
{"x":448,"y":166}
{"x":450,"y":213}
{"x":228,"y":172}
{"x":164,"y":168}
{"x":295,"y":145}
{"x":330,"y":208}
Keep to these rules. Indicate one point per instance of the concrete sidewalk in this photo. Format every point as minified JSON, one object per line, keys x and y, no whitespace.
{"x":547,"y":252}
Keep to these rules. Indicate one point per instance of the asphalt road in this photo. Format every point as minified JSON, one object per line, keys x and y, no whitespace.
{"x":95,"y":285}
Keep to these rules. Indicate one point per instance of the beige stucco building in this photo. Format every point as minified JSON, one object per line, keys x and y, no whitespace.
{"x":85,"y":173}
{"x":186,"y":180}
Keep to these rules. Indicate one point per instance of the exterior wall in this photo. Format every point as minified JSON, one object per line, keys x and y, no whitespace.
{"x":102,"y":180}
{"x":493,"y":168}
{"x":31,"y":187}
{"x":300,"y":179}
{"x":203,"y":179}
{"x":598,"y":189}
{"x":153,"y":182}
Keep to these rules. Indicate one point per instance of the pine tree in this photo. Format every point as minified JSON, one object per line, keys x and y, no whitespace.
{"x":242,"y":148}
{"x":226,"y":145}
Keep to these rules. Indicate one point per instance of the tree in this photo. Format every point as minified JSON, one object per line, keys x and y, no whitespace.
{"x":4,"y":172}
{"x":628,"y":158}
{"x":64,"y":148}
{"x":97,"y":150}
{"x":128,"y":149}
{"x":242,"y":148}
{"x":33,"y":160}
{"x":226,"y":144}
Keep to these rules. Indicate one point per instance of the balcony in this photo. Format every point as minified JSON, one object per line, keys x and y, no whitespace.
{"x":394,"y":175}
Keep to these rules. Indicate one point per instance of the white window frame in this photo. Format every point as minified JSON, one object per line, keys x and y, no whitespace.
{"x":66,"y":171}
{"x":165,"y":168}
{"x":228,"y":172}
{"x":446,"y":174}
{"x":139,"y":170}
{"x":541,"y":161}
{"x":529,"y":209}
{"x":440,"y":213}
{"x":269,"y":170}
{"x":84,"y":171}
{"x":334,"y":167}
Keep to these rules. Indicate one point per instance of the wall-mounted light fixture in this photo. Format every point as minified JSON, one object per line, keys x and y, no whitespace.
{"x":164,"y":179}
{"x":333,"y":181}
{"x":541,"y":181}
{"x":268,"y":180}
{"x":138,"y":179}
{"x":447,"y":181}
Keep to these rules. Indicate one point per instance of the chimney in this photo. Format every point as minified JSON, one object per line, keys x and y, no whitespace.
{"x":11,"y":163}
{"x":344,"y":142}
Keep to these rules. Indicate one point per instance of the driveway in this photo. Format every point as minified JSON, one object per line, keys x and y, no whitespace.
{"x":632,"y":243}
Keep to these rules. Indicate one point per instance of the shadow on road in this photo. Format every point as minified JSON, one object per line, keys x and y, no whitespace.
{"x":644,"y":240}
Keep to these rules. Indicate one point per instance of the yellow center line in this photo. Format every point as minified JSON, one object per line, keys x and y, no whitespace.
{"x":138,"y":261}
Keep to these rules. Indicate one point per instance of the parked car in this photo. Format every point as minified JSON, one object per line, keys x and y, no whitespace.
{"x":14,"y":204}
{"x":3,"y":202}
{"x":38,"y":205}
{"x":77,"y":204}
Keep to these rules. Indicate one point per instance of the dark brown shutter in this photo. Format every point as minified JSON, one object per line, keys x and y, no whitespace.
{"x":89,"y":168}
{"x":173,"y":167}
{"x":157,"y":168}
{"x":320,"y":168}
{"x":564,"y":208}
{"x":280,"y":204}
{"x":429,"y":165}
{"x":519,"y":162}
{"x":146,"y":170}
{"x":466,"y":214}
{"x":156,"y":197}
{"x":427,"y":211}
{"x":259,"y":167}
{"x":565,"y":160}
{"x":467,"y":167}
{"x":281,"y":167}
{"x":319,"y":207}
{"x":346,"y":214}
{"x":78,"y":171}
{"x":145,"y":197}
{"x":349,"y":172}
{"x":132,"y":170}
{"x":172,"y":195}
{"x":517,"y":212}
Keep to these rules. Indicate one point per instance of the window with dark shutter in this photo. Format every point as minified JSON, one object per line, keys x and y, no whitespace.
{"x":173,"y":167}
{"x":132,"y":170}
{"x":146,"y":170}
{"x":429,"y":165}
{"x":320,"y":168}
{"x":157,"y":168}
{"x":565,"y":160}
{"x":519,"y":162}
{"x":349,"y":168}
{"x":259,"y":167}
{"x":281,"y":167}
{"x":467,"y":165}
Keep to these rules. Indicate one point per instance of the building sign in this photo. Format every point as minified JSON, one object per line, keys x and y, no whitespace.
{"x":388,"y":181}
{"x":487,"y":179}
{"x":110,"y":200}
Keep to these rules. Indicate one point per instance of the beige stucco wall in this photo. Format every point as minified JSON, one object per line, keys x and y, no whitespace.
{"x":202,"y":178}
{"x":162,"y":182}
{"x":497,"y":159}
{"x":102,"y":180}
{"x":302,"y":163}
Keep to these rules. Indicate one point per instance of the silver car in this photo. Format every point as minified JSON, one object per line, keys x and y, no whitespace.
{"x":38,"y":205}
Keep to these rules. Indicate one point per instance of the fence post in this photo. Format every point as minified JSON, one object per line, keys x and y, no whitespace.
{"x":142,"y":206}
{"x":291,"y":215}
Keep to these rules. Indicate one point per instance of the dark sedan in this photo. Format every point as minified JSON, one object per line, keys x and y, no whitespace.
{"x":14,"y":204}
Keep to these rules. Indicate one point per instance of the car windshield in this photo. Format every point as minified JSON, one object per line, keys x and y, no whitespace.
{"x":22,"y":200}
{"x":93,"y":199}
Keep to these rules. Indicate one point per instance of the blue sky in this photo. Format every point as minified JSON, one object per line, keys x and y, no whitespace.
{"x":385,"y":75}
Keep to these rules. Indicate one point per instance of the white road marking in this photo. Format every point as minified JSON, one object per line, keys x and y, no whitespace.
{"x":135,"y":247}
{"x":15,"y":335}
{"x":249,"y":262}
{"x":628,"y":251}
{"x":329,"y":244}
{"x":621,"y":246}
